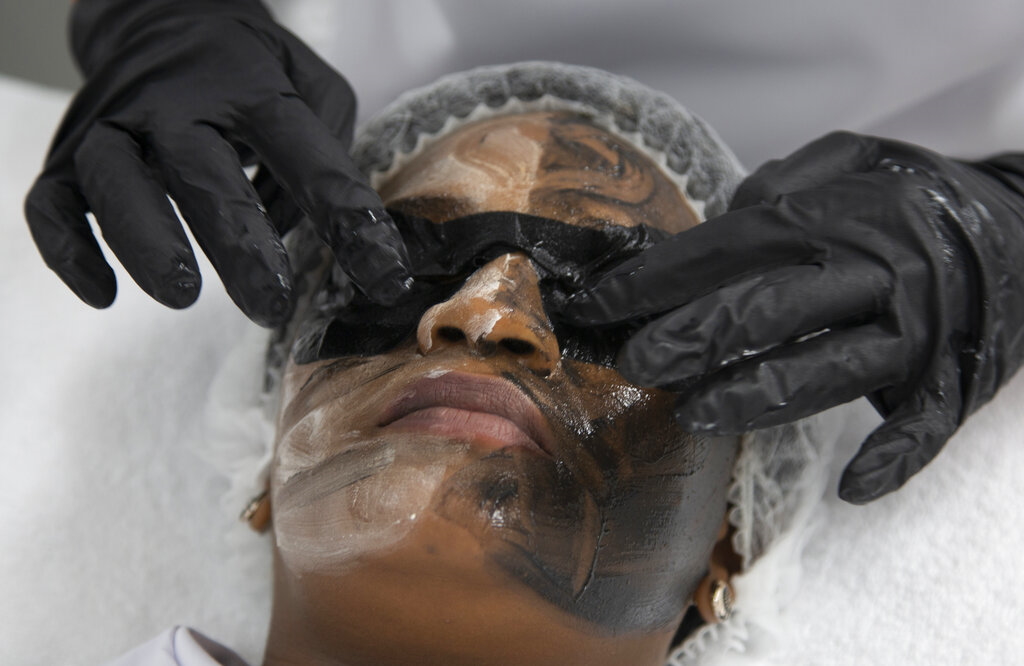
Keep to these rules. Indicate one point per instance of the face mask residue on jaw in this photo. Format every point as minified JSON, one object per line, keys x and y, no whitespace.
{"x":343,"y":322}
{"x":590,"y":531}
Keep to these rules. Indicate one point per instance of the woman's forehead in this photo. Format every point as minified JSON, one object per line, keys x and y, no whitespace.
{"x":557,"y":165}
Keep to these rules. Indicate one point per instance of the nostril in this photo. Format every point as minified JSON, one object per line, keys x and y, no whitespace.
{"x":517,"y":346}
{"x":451,"y":334}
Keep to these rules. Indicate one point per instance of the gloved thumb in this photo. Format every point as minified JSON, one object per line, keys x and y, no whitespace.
{"x":909,"y":438}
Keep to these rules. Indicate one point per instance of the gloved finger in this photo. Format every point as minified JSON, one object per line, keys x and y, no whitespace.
{"x":137,"y":220}
{"x":315,"y":169}
{"x":819,"y":162}
{"x":324,"y":90}
{"x":695,"y":262}
{"x":752,"y":316}
{"x":203,"y":174}
{"x":908,"y":440}
{"x":333,"y":101}
{"x":791,"y":382}
{"x":55,"y":213}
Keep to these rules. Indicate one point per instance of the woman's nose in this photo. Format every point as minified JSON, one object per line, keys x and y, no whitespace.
{"x":498,"y":311}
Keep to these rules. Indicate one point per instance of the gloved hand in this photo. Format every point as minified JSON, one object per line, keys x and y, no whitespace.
{"x":178,"y":94}
{"x":856,"y":266}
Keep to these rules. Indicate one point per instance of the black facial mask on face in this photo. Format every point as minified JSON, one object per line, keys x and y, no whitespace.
{"x":343,"y":322}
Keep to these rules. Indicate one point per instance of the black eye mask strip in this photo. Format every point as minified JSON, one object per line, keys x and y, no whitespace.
{"x":343,"y":322}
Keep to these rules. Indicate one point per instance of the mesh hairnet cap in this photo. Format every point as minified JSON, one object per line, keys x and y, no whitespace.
{"x":684,"y":145}
{"x":780,"y":473}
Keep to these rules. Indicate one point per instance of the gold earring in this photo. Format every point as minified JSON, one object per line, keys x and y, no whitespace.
{"x":257,"y":512}
{"x":714,"y":599}
{"x":721,"y":599}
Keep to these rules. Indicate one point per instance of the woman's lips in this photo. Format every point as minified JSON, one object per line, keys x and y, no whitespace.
{"x":487,"y":411}
{"x":488,"y":430}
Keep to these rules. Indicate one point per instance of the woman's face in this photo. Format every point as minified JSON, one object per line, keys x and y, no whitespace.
{"x":473,"y":493}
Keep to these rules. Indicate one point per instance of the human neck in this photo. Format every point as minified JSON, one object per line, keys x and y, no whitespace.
{"x":297,"y":653}
{"x":388,"y":613}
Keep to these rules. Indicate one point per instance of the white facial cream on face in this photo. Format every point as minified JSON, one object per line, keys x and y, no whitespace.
{"x":337,"y":498}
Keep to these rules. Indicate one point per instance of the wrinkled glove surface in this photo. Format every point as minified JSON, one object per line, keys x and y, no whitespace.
{"x":178,"y":95}
{"x":856,"y":266}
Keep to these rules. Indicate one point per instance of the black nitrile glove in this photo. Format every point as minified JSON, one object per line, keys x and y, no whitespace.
{"x":176,"y":91}
{"x":856,"y":266}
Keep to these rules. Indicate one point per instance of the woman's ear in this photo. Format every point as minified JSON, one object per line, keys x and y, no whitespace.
{"x":257,"y":512}
{"x":714,"y":596}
